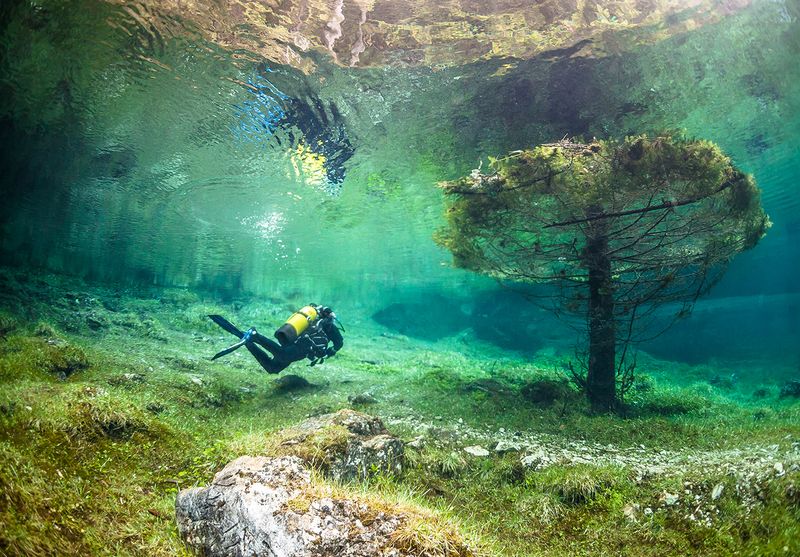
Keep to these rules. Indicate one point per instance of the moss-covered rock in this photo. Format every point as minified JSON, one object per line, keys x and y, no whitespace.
{"x":64,"y":359}
{"x":345,"y":445}
{"x":259,"y":502}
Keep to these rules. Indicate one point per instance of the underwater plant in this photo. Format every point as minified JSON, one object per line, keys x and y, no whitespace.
{"x":615,"y":229}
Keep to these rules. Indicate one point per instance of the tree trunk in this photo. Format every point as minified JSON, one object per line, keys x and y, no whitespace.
{"x":601,"y":377}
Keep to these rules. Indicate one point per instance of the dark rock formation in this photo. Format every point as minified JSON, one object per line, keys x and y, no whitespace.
{"x":289,"y":383}
{"x":362,"y":398}
{"x":545,"y":392}
{"x":791,"y":389}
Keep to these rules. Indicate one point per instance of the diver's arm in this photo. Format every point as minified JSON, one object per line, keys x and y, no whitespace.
{"x":335,"y":337}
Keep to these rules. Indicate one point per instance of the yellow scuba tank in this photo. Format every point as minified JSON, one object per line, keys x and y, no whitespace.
{"x":296,"y":325}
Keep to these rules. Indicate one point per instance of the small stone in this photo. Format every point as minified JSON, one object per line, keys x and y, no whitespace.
{"x":476,"y":450}
{"x":630,"y":511}
{"x":670,"y":498}
{"x":417,"y":442}
{"x":506,"y":447}
{"x":778,"y":467}
{"x":717,"y":491}
{"x":648,"y":511}
{"x":536,"y":461}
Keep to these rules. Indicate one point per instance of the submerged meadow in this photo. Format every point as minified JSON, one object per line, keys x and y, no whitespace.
{"x":110,"y":405}
{"x":164,"y":163}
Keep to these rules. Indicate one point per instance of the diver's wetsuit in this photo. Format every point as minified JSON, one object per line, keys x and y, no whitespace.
{"x":311,"y":344}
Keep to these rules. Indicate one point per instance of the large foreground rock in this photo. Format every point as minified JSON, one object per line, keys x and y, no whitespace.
{"x":345,"y":445}
{"x":269,"y":507}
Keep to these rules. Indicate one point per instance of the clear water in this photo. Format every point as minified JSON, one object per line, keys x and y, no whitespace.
{"x":164,"y":160}
{"x":205,"y":148}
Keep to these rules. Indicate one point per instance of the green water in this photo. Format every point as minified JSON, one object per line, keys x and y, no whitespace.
{"x":161,"y":162}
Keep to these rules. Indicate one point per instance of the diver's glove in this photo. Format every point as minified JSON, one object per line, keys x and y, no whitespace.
{"x":329,"y":352}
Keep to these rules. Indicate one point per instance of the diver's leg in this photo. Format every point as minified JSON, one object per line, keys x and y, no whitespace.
{"x":269,"y":364}
{"x":267,"y":343}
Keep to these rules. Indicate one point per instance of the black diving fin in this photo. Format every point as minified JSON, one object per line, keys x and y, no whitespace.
{"x":227,"y":325}
{"x":231,"y":328}
{"x":229,"y":349}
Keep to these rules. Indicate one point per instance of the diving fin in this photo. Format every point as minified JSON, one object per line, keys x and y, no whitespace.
{"x":227,"y":325}
{"x":231,"y":328}
{"x":229,"y":349}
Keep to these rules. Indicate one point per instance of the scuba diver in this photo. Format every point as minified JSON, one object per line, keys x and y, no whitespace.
{"x":306,"y":334}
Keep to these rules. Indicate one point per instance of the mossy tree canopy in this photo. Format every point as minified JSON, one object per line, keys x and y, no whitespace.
{"x":674,"y":211}
{"x":658,"y":217}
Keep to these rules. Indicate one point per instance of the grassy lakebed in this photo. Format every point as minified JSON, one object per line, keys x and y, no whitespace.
{"x":110,"y":405}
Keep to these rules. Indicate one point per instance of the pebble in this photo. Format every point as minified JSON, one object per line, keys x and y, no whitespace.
{"x":476,"y":450}
{"x":417,"y":442}
{"x":670,"y":498}
{"x":717,"y":492}
{"x":506,"y":447}
{"x":630,"y":511}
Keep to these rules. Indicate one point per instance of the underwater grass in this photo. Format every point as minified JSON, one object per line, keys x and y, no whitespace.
{"x":90,"y":460}
{"x":581,"y":510}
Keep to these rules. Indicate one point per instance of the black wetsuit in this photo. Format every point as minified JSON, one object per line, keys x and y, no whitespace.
{"x":312,"y":344}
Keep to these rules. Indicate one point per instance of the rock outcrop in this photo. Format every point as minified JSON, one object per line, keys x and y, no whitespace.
{"x":247,"y":511}
{"x":271,"y":507}
{"x":344,"y":445}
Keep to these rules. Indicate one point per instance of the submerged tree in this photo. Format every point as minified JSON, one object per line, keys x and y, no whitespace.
{"x":616,"y":227}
